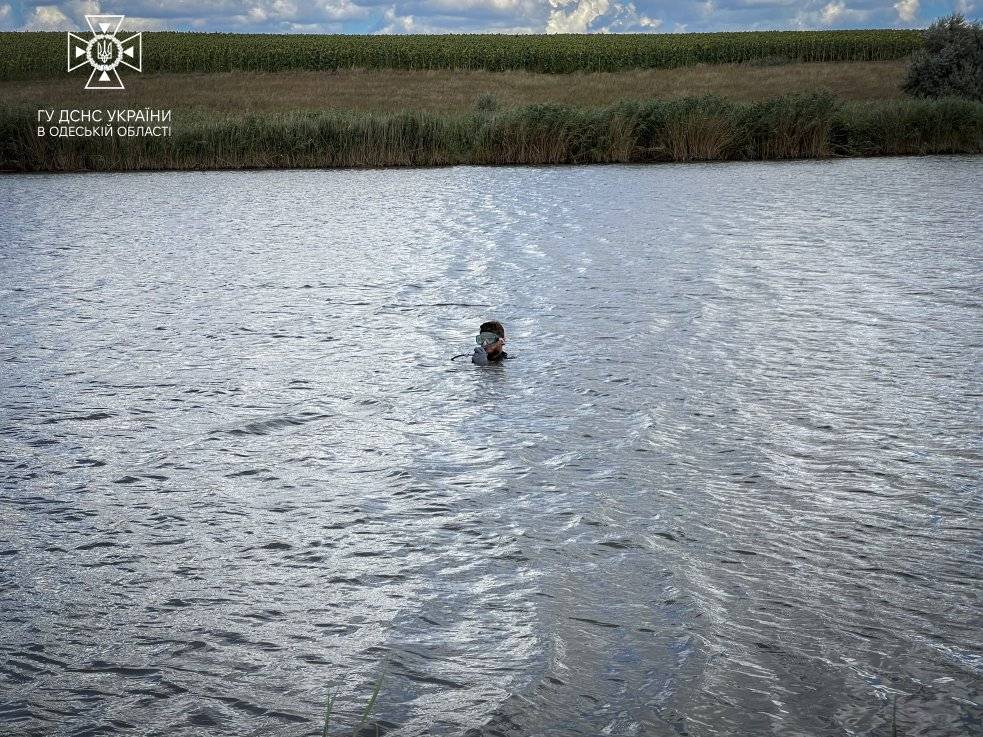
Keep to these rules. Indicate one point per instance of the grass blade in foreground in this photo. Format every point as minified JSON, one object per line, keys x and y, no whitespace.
{"x":366,"y":713}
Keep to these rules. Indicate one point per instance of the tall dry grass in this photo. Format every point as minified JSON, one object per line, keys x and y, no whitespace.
{"x":442,"y":91}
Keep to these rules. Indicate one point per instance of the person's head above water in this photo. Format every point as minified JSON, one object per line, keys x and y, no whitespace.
{"x":491,"y":337}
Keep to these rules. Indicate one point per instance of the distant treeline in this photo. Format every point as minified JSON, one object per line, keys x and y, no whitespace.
{"x":41,"y":55}
{"x":688,"y":129}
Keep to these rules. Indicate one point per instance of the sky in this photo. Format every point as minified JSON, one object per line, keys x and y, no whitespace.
{"x":484,"y":16}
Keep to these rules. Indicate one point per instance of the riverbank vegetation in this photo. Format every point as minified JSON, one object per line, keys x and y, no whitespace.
{"x":686,"y":129}
{"x":950,"y":62}
{"x":243,"y":101}
{"x":41,"y":55}
{"x":392,"y":90}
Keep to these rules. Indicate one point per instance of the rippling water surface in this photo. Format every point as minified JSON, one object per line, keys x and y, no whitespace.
{"x":731,"y":484}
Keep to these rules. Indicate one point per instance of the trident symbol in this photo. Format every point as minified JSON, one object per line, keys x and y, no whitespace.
{"x":104,"y":51}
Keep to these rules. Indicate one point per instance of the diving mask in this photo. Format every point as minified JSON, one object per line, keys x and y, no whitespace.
{"x":485,"y":338}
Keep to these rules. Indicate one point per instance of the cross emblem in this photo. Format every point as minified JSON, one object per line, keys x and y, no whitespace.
{"x":104,"y":52}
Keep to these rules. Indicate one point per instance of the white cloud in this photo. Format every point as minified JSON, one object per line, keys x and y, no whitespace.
{"x":907,"y":10}
{"x":833,"y":11}
{"x":601,"y":16}
{"x":624,"y":18}
{"x":577,"y":20}
{"x":397,"y":23}
{"x":48,"y":18}
{"x":472,"y":16}
{"x":76,"y":10}
{"x":136,"y":23}
{"x":283,"y":11}
{"x":485,"y":7}
{"x":753,"y":4}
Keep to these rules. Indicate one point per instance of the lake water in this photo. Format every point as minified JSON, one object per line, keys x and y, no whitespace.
{"x":730,"y":484}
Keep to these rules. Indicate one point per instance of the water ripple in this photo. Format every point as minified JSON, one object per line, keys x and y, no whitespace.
{"x":730,"y":485}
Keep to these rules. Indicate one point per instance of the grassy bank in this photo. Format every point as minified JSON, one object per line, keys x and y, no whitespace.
{"x":42,"y":55}
{"x":392,"y":90}
{"x":687,"y":129}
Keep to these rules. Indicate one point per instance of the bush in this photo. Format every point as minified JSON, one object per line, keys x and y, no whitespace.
{"x":487,"y":103}
{"x":950,"y":64}
{"x":903,"y":127}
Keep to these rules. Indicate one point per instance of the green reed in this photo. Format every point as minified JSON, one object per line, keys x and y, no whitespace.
{"x":810,"y":125}
{"x":366,"y":713}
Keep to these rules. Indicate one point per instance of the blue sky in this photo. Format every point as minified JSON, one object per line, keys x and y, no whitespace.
{"x":484,"y":16}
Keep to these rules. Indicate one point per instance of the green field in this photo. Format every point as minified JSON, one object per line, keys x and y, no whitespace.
{"x":42,"y":55}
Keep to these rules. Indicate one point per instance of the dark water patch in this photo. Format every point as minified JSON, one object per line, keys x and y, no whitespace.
{"x":595,"y":622}
{"x":246,"y":472}
{"x":622,"y":544}
{"x":91,"y":417}
{"x":96,"y":544}
{"x":266,"y":427}
{"x":101,"y":666}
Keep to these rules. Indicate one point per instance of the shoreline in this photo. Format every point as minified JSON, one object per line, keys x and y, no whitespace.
{"x":410,"y":167}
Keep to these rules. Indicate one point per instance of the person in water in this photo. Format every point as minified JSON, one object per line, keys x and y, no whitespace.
{"x":491,"y":337}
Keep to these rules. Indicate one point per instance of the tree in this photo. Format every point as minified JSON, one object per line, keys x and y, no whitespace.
{"x":950,"y":64}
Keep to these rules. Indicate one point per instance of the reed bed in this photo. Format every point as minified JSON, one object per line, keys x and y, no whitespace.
{"x":688,"y":129}
{"x":41,"y":55}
